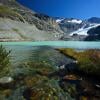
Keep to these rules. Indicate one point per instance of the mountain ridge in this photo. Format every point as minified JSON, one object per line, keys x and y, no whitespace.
{"x":40,"y":27}
{"x":76,"y":29}
{"x":10,"y":9}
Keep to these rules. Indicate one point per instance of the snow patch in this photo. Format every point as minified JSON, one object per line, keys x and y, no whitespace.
{"x":59,"y":20}
{"x":75,"y":21}
{"x":83,"y":31}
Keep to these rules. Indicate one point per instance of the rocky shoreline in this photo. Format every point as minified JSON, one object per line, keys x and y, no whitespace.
{"x":40,"y":79}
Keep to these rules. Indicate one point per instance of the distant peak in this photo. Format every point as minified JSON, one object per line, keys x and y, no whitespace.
{"x":94,"y":20}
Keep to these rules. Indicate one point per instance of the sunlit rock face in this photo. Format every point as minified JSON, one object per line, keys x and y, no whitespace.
{"x":40,"y":26}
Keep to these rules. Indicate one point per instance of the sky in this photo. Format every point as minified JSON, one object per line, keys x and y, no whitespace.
{"x":81,"y":9}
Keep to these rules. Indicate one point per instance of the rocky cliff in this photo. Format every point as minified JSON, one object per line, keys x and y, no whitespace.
{"x":25,"y":24}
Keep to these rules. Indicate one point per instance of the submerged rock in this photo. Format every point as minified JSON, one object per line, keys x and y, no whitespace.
{"x":5,"y":80}
{"x":70,"y":77}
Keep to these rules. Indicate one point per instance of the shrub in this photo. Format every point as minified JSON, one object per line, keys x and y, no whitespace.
{"x":88,"y":60}
{"x":4,"y":60}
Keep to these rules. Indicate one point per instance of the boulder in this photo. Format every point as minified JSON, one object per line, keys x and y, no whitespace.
{"x":6,"y":82}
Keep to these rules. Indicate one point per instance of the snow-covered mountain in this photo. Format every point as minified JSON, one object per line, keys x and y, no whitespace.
{"x":76,"y":29}
{"x":19,"y":23}
{"x":69,"y":24}
{"x":93,"y":34}
{"x":83,"y":30}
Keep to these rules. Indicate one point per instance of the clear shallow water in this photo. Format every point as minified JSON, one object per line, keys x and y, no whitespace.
{"x":30,"y":51}
{"x":66,"y":44}
{"x":21,"y":54}
{"x":42,"y":51}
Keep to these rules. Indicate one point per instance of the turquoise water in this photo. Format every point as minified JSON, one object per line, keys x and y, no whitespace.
{"x":22,"y":52}
{"x":29,"y":51}
{"x":66,"y":44}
